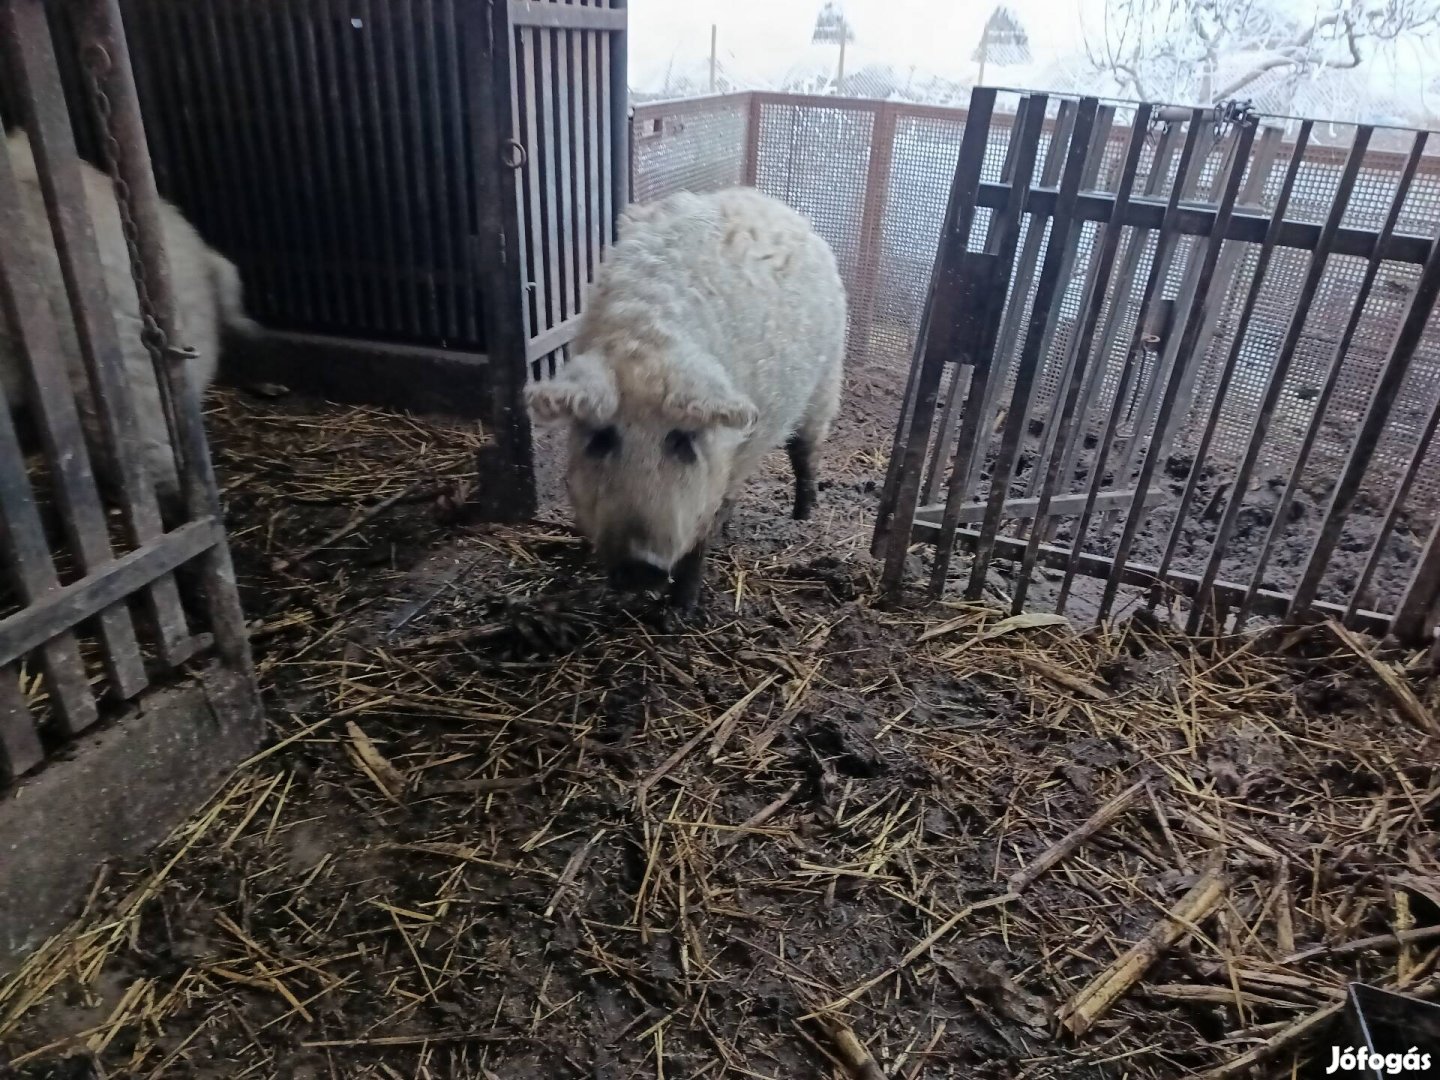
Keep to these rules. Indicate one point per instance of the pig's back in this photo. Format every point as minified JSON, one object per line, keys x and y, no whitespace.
{"x":745,"y":280}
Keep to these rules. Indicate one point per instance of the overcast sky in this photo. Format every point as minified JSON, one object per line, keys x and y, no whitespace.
{"x":765,"y":37}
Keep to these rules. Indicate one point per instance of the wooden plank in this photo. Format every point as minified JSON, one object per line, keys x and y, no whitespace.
{"x":1281,"y":514}
{"x":1200,"y":221}
{"x":1275,"y":381}
{"x":547,"y":341}
{"x":898,"y":502}
{"x":1048,"y":503}
{"x":1185,"y":353}
{"x":616,"y":53}
{"x":103,"y":34}
{"x":20,"y":749}
{"x":1145,"y":576}
{"x":563,"y":166}
{"x":1166,"y":238}
{"x":505,"y":466}
{"x":30,"y":52}
{"x":1002,"y":239}
{"x":1023,"y":509}
{"x":33,"y":331}
{"x":553,"y":16}
{"x":1047,"y":288}
{"x":1237,"y":343}
{"x":64,"y":607}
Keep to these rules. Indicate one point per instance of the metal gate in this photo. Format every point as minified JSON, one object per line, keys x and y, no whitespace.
{"x":1182,"y":361}
{"x":416,"y":192}
{"x":103,"y":612}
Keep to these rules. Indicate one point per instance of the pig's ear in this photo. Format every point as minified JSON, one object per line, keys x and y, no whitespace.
{"x":703,"y":399}
{"x":583,"y":391}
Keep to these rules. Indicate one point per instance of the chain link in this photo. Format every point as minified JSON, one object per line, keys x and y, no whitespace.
{"x":152,"y":335}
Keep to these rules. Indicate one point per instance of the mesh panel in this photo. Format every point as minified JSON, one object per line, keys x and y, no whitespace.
{"x":691,"y":151}
{"x":817,"y":154}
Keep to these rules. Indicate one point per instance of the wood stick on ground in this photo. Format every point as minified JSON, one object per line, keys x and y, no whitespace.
{"x":1369,"y":944}
{"x":357,"y":519}
{"x":858,"y":1060}
{"x":1096,"y":999}
{"x":1277,"y":1044}
{"x":386,"y":777}
{"x":1066,"y":680}
{"x":1067,"y":845}
{"x":755,"y":820}
{"x":919,"y":950}
{"x":1409,"y":704}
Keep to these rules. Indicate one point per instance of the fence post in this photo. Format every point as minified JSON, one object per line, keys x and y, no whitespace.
{"x":751,"y":163}
{"x":872,"y":227}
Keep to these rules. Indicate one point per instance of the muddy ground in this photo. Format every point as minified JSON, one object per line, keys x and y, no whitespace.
{"x":509,"y":825}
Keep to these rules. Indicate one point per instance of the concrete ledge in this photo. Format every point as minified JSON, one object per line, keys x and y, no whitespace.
{"x":115,"y":795}
{"x":356,"y":372}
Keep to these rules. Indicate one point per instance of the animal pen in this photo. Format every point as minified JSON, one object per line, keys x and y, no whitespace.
{"x":1196,"y":344}
{"x":416,"y":195}
{"x":509,"y":823}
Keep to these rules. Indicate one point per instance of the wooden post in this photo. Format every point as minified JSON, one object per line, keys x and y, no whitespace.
{"x":714,"y":34}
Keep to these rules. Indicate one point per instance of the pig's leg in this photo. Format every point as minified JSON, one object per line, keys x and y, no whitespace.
{"x":802,"y":462}
{"x":804,"y":446}
{"x":722,"y":518}
{"x":690,"y":577}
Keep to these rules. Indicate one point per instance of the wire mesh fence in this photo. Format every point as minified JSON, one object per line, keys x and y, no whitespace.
{"x":874,"y":178}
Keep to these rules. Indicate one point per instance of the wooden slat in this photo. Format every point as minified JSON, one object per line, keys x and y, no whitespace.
{"x":32,"y":329}
{"x":564,"y":169}
{"x":20,"y":749}
{"x":898,"y":500}
{"x":1146,"y":576}
{"x":1002,"y":239}
{"x":547,"y":341}
{"x":1184,"y":355}
{"x":1281,"y":514}
{"x":928,"y":517}
{"x":28,"y":555}
{"x":1049,"y":504}
{"x":580,"y":152}
{"x":1279,"y":370}
{"x":31,"y":54}
{"x":546,"y":165}
{"x":1046,"y":290}
{"x":61,"y":609}
{"x":1164,"y":241}
{"x":553,"y":16}
{"x":1200,"y":221}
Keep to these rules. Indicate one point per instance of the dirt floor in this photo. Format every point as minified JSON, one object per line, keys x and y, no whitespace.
{"x":509,"y":826}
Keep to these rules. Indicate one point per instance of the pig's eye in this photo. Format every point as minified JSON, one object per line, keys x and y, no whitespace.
{"x":603,"y":443}
{"x":681,"y":445}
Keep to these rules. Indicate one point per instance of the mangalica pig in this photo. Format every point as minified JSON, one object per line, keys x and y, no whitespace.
{"x":714,"y":333}
{"x":208,"y":303}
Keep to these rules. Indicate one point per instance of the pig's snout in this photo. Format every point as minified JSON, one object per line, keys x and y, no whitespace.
{"x":638,"y":573}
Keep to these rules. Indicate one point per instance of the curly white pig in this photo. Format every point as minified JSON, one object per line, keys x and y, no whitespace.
{"x":714,"y":333}
{"x":208,"y":302}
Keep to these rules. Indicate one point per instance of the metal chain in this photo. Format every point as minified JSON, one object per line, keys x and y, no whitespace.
{"x":152,"y":335}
